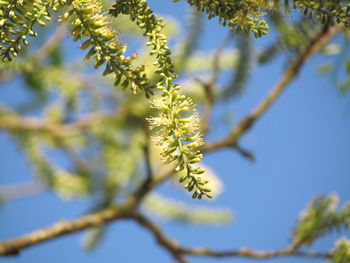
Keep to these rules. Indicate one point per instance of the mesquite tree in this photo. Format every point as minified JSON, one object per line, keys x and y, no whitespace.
{"x":128,"y":120}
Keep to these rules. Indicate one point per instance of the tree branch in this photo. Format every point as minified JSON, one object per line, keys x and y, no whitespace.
{"x":171,"y":246}
{"x":151,"y":183}
{"x":210,"y":86}
{"x":256,"y":254}
{"x":127,"y":210}
{"x":178,"y":252}
{"x":13,"y":122}
{"x":13,"y":246}
{"x":314,"y":46}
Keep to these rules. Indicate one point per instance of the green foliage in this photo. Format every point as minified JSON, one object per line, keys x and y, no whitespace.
{"x":327,"y":11}
{"x":89,"y":22}
{"x":238,"y":15}
{"x":341,"y":252}
{"x":325,"y":68}
{"x":28,"y":143}
{"x":17,"y":21}
{"x":69,"y":185}
{"x":341,"y":74}
{"x":66,"y":184}
{"x":170,"y":209}
{"x":41,"y":165}
{"x":245,"y":15}
{"x":321,"y":217}
{"x":202,"y":62}
{"x":92,"y":237}
{"x":42,"y":79}
{"x":120,"y":158}
{"x":103,"y":131}
{"x":177,"y":124}
{"x":344,"y":86}
{"x":291,"y":37}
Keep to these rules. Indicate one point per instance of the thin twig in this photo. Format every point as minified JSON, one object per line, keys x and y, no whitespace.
{"x":171,"y":246}
{"x":245,"y":153}
{"x":52,"y":43}
{"x":209,"y":88}
{"x":314,"y":46}
{"x":21,"y":190}
{"x":81,"y":165}
{"x":255,"y":254}
{"x":148,"y":185}
{"x":178,"y":252}
{"x":149,"y":171}
{"x":42,"y":52}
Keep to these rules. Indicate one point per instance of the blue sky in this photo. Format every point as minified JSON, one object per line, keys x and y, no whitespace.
{"x":302,"y":148}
